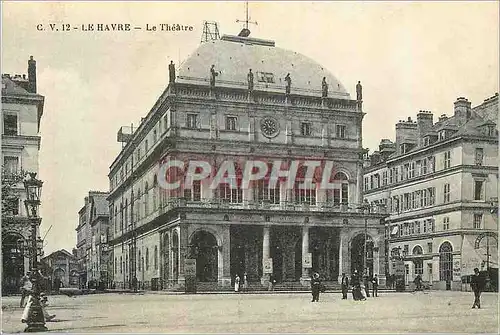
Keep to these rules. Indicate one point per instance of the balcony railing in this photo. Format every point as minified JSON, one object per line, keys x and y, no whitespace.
{"x":173,"y":203}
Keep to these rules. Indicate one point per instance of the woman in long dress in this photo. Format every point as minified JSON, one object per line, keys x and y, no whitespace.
{"x":237,"y":283}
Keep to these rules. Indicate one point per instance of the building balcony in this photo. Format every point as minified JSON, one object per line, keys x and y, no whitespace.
{"x":174,"y":203}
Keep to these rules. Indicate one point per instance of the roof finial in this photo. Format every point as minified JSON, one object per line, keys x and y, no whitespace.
{"x":245,"y":31}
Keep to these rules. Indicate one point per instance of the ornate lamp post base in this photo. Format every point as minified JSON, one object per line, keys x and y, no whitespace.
{"x":36,"y":319}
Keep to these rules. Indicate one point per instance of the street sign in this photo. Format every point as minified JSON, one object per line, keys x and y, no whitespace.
{"x":307,"y":261}
{"x":268,"y":265}
{"x":190,"y":267}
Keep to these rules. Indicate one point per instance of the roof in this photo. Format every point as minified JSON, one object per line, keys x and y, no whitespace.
{"x":101,"y":204}
{"x":61,"y":251}
{"x":233,"y":56}
{"x":11,"y":88}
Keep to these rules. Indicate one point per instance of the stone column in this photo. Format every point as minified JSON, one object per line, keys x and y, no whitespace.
{"x":183,"y":251}
{"x":224,"y":258}
{"x":359,"y":180}
{"x":344,"y":266}
{"x":305,"y":278}
{"x":266,"y":252}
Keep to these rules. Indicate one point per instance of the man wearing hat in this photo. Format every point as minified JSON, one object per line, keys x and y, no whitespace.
{"x":315,"y":287}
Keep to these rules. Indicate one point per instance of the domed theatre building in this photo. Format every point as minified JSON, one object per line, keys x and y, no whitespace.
{"x":237,"y":100}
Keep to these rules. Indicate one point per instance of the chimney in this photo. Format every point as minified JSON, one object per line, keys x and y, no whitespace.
{"x":386,"y":148}
{"x":462,"y":111}
{"x":424,"y":125}
{"x":32,"y":75}
{"x":406,"y":134}
{"x":443,"y":117}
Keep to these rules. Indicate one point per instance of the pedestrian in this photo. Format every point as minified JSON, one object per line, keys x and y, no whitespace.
{"x":26,"y":287}
{"x":344,"y":285}
{"x":375,"y":286}
{"x":245,"y":282}
{"x":134,"y":284}
{"x":477,"y":284}
{"x":315,"y":287}
{"x":418,"y":283}
{"x":366,"y":283}
{"x":236,"y":283}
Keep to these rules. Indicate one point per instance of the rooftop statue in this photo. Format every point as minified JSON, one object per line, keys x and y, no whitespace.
{"x":171,"y":72}
{"x":324,"y":88}
{"x":250,"y":80}
{"x":288,"y":83}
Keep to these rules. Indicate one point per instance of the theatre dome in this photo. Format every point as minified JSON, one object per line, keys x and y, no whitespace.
{"x":233,"y":56}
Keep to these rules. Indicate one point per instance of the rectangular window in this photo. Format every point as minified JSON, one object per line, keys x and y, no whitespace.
{"x":11,"y":165}
{"x":11,"y":206}
{"x":406,"y":169}
{"x":432,"y":195}
{"x":155,"y":136}
{"x":405,"y":249}
{"x":479,"y":156}
{"x":429,"y":247}
{"x":265,"y":193}
{"x":411,"y":172}
{"x":231,"y":122}
{"x":391,"y":176}
{"x":192,"y":121}
{"x":305,"y":129}
{"x":446,"y":193}
{"x":446,"y":223}
{"x":432,"y":164}
{"x":193,"y":193}
{"x":366,"y":183}
{"x":478,"y":190}
{"x":340,"y":131}
{"x":447,"y":159}
{"x":417,"y":227}
{"x":384,"y":178}
{"x":478,"y":218}
{"x":419,"y":267}
{"x":418,"y":167}
{"x":10,"y":124}
{"x":146,"y":146}
{"x":231,"y":195}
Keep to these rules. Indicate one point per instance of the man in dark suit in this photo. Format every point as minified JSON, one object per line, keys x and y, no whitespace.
{"x":315,"y":287}
{"x":344,"y":284}
{"x":477,"y":284}
{"x":375,"y":286}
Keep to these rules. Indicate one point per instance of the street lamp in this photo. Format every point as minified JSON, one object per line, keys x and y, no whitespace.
{"x":33,"y":187}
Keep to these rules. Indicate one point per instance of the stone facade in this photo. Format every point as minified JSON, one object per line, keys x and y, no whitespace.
{"x":63,"y":267}
{"x":93,"y":253}
{"x":22,"y":109}
{"x":439,"y":183}
{"x":256,"y":230}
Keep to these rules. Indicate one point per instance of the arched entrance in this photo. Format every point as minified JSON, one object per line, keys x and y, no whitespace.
{"x":324,"y":249}
{"x":205,"y":250}
{"x":175,"y":256}
{"x":446,"y":264}
{"x":277,"y":256}
{"x":12,"y":263}
{"x":357,"y":254}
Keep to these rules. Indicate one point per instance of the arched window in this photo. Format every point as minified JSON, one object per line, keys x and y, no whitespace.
{"x":155,"y":191}
{"x":446,"y":262}
{"x":146,"y":199}
{"x":126,"y":212}
{"x":417,"y":250}
{"x":155,"y":260}
{"x":147,"y":259}
{"x":340,"y":193}
{"x":139,"y":261}
{"x":121,"y":216}
{"x":418,"y":263}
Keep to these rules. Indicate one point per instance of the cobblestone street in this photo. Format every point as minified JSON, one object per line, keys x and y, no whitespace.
{"x":261,"y":313}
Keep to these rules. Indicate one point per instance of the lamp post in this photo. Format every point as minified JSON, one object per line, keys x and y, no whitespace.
{"x":365,"y":207}
{"x":33,"y":187}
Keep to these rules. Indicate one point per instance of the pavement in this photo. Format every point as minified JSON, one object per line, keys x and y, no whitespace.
{"x":144,"y":312}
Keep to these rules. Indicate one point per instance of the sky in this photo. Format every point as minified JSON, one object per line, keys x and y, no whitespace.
{"x":409,"y":56}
